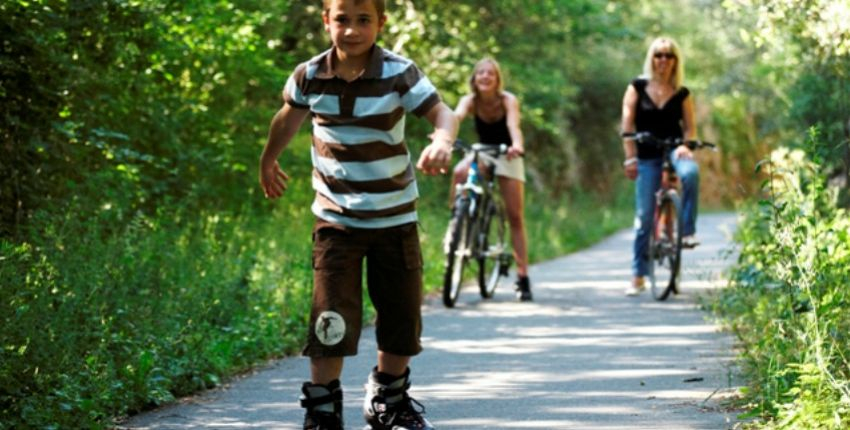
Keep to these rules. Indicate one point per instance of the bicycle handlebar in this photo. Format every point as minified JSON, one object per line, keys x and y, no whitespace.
{"x":646,"y":138}
{"x":487,"y":148}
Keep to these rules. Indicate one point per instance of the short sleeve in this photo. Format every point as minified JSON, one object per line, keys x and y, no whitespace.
{"x":418,"y":94}
{"x":293,"y":91}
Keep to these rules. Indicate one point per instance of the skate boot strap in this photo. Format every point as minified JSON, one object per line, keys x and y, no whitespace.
{"x":384,"y":391}
{"x":312,"y":402}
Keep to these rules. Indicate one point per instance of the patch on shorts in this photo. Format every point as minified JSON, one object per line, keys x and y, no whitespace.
{"x":330,"y":328}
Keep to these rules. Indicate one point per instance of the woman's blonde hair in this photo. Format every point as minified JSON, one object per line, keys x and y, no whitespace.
{"x":677,"y":78}
{"x":486,"y":60}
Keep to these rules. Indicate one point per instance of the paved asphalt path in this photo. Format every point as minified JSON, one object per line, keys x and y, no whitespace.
{"x":581,"y":356}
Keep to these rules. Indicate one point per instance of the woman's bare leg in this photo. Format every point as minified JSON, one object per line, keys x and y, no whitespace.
{"x":514,"y":196}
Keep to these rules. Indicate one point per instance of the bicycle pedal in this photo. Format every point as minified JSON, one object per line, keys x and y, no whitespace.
{"x":504,"y":264}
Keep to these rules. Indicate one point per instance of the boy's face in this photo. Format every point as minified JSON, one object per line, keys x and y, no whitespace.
{"x":353,"y":26}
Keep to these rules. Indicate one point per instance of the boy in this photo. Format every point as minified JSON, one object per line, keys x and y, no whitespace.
{"x":357,"y":94}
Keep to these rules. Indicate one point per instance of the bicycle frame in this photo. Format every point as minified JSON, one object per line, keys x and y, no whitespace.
{"x":477,"y":227}
{"x":477,"y":188}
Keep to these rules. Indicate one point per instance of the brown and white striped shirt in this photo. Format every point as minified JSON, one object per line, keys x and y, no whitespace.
{"x":362,"y":171}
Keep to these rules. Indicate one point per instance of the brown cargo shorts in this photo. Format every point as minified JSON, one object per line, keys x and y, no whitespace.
{"x":394,"y":279}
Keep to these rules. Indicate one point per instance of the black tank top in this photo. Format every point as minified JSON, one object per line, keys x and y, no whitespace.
{"x":662,"y":122}
{"x":493,"y":132}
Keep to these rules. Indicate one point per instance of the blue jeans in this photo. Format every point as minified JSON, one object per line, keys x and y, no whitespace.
{"x":647,"y":183}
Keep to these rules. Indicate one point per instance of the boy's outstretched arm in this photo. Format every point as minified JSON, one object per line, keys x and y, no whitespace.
{"x":435,"y":158}
{"x":285,"y":124}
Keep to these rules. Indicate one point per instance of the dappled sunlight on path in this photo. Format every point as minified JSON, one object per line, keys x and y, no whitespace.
{"x":583,"y":355}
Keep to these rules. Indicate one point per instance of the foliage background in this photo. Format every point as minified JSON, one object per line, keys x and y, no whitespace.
{"x":787,"y":299}
{"x":139,"y":262}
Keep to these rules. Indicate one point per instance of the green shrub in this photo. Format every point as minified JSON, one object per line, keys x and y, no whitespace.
{"x":97,"y":325}
{"x":788,"y":300}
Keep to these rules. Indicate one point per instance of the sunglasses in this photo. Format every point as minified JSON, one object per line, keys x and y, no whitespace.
{"x":667,"y":55}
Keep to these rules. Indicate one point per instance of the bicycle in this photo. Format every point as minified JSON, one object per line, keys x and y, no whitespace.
{"x":664,"y":250}
{"x":477,"y":226}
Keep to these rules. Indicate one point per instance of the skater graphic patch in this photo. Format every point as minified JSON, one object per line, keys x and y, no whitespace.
{"x":330,"y":328}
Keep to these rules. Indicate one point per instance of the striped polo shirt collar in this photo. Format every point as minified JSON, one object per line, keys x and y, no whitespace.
{"x":374,"y":68}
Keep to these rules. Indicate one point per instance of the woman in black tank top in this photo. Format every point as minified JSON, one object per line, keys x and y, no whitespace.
{"x":658,"y":102}
{"x":493,"y":132}
{"x":496,"y":114}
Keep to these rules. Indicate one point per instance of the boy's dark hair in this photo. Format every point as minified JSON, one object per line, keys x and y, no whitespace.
{"x":380,"y":5}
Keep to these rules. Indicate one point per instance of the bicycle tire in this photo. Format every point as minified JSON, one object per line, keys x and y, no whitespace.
{"x":665,"y":247}
{"x":491,"y":249}
{"x":677,"y":272}
{"x":456,"y":251}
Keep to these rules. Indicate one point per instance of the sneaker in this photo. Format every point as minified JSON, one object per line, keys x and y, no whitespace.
{"x":323,"y":404}
{"x":523,"y":289}
{"x":388,"y":406}
{"x":689,"y":242}
{"x":635,"y":288}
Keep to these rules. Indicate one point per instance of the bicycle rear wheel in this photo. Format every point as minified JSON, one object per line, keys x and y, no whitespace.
{"x":457,"y":251}
{"x":493,"y":260}
{"x":665,"y":248}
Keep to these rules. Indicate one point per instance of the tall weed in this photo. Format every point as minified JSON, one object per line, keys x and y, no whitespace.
{"x":788,"y":299}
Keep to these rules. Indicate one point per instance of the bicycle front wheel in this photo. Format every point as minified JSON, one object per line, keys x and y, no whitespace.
{"x":493,"y":259}
{"x":665,"y":248}
{"x":457,"y":251}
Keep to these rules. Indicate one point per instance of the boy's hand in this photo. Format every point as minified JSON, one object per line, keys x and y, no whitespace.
{"x":435,"y":158}
{"x":272,"y":179}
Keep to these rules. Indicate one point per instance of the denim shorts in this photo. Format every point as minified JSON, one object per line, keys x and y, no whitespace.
{"x":394,"y":280}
